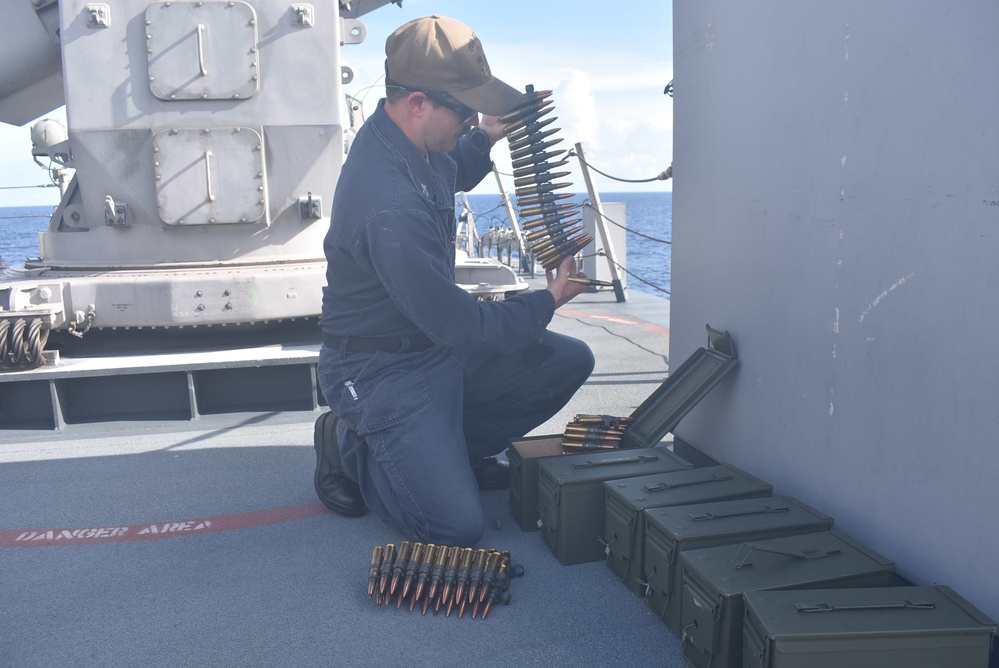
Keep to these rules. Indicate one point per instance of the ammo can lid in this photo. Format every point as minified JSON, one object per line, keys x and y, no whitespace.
{"x":598,"y":466}
{"x":737,"y":519}
{"x":868,"y":611}
{"x":791,"y":562}
{"x":687,"y":486}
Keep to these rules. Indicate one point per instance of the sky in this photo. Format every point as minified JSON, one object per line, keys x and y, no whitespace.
{"x":607,"y":64}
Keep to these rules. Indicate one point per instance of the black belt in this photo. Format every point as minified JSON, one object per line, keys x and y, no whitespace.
{"x":377,"y":344}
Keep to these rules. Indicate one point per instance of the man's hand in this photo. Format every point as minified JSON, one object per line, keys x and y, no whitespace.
{"x":492,"y":127}
{"x":559,"y":284}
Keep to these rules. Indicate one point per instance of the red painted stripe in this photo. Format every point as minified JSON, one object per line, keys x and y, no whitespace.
{"x":151,"y":531}
{"x":657,"y":329}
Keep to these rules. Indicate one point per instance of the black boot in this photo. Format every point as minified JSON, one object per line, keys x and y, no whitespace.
{"x":337,"y":492}
{"x":491,"y":473}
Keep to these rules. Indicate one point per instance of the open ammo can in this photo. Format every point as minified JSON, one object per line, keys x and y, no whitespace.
{"x":658,"y":415}
{"x":715,"y":578}
{"x":890,"y":627}
{"x":671,"y":530}
{"x":571,"y":496}
{"x":624,"y":523}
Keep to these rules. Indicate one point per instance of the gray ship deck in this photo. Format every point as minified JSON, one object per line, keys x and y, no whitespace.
{"x":229,"y":559}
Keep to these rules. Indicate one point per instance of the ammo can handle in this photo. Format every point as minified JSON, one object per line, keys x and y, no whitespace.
{"x":697,"y":517}
{"x":640,"y":459}
{"x":662,"y":486}
{"x":825,"y":607}
{"x":804,"y":553}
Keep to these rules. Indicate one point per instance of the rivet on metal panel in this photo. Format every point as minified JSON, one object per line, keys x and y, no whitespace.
{"x":199,"y":293}
{"x":204,"y":96}
{"x":235,"y":96}
{"x":260,"y":187}
{"x":253,"y":22}
{"x":243,"y":219}
{"x":152,"y":78}
{"x":228,"y":306}
{"x":211,"y":220}
{"x":226,"y":292}
{"x":201,"y":307}
{"x":149,"y":50}
{"x":173,"y":96}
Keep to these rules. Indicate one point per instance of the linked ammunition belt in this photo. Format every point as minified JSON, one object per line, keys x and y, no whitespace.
{"x":551,"y":230}
{"x":439,"y":576}
{"x":595,"y":432}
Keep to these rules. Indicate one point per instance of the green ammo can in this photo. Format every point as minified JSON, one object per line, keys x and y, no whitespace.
{"x":672,"y":530}
{"x":624,"y":524}
{"x":571,"y":496}
{"x":890,"y":627}
{"x":650,"y":422}
{"x":715,"y":578}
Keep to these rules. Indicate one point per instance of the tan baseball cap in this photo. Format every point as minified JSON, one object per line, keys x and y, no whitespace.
{"x":439,"y":54}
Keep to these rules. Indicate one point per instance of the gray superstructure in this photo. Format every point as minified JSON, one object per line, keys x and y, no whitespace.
{"x":204,"y":139}
{"x":835,"y":204}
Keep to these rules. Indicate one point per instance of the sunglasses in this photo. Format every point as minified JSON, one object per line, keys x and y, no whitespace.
{"x":465,"y":114}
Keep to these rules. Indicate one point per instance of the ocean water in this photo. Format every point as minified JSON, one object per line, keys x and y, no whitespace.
{"x":648,"y":220}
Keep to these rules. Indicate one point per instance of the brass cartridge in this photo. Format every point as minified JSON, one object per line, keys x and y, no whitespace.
{"x":437,"y":572}
{"x":489,"y":575}
{"x":453,"y":561}
{"x":541,"y":189}
{"x":528,"y":122}
{"x":537,"y":169}
{"x":376,"y":564}
{"x":423,"y":573}
{"x":385,"y":572}
{"x":412,"y":566}
{"x":547,"y":208}
{"x":529,"y":131}
{"x":533,"y":148}
{"x":517,"y":116}
{"x":545,"y":198}
{"x":531,"y":139}
{"x":399,"y":567}
{"x":542,"y":177}
{"x":552,"y":216}
{"x":475,"y":575}
{"x":536,"y":159}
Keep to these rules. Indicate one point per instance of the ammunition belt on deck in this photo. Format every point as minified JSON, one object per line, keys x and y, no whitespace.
{"x":440,"y":577}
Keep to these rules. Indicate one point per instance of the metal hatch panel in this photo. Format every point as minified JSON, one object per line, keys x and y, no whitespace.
{"x":210,"y":176}
{"x":202,"y":50}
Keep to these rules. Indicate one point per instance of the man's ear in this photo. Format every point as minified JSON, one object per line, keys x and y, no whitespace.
{"x":417,"y":103}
